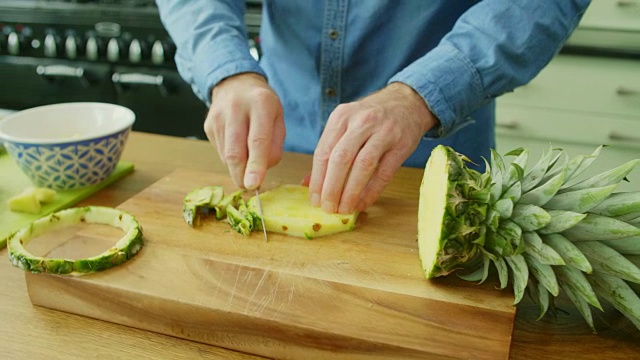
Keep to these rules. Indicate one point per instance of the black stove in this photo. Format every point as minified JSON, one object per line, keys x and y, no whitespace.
{"x":114,"y":51}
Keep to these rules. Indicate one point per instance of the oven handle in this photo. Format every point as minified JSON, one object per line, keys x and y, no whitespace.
{"x":63,"y":71}
{"x":121,"y":80}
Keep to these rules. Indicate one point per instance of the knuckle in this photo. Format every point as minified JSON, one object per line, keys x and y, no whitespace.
{"x":341,"y":156}
{"x":366,"y":162}
{"x":234,"y":158}
{"x":259,"y":142}
{"x":340,"y":114}
{"x":263,"y":96}
{"x":384,"y":175}
{"x":322,"y":153}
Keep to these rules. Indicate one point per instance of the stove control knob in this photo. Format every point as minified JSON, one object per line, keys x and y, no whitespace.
{"x":113,"y":50}
{"x":135,"y":51}
{"x":157,"y":53}
{"x":13,"y":43}
{"x":92,"y":49}
{"x":50,"y":46}
{"x":71,"y":47}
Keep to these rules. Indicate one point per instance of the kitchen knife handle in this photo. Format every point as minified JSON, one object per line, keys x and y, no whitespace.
{"x":63,"y":71}
{"x":121,"y":80}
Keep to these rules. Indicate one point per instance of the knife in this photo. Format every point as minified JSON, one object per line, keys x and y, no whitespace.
{"x":264,"y":229}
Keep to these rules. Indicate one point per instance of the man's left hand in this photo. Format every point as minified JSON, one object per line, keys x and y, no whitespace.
{"x":364,"y":144}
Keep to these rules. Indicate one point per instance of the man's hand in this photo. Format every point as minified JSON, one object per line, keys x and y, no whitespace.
{"x":363,"y":145}
{"x":245,"y":123}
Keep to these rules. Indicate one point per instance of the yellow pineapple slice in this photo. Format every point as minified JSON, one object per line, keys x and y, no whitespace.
{"x":287,"y":210}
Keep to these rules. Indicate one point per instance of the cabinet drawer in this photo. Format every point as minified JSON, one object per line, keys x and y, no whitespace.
{"x":628,"y":41}
{"x":578,"y":83}
{"x":609,"y":158}
{"x":612,"y":15}
{"x":567,"y":127}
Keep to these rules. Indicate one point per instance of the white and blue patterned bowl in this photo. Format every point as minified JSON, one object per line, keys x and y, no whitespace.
{"x":67,"y":146}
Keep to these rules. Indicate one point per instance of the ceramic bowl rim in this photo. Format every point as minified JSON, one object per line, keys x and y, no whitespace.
{"x":65,"y":144}
{"x":129,"y":121}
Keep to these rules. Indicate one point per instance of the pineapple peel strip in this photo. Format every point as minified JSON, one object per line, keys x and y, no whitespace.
{"x":127,"y":247}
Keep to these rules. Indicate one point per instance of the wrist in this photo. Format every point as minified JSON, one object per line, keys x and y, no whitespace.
{"x":417,"y":104}
{"x":248,"y":78}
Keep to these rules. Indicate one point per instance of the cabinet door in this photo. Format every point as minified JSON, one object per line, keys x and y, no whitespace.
{"x":567,"y":126}
{"x":162,"y":101}
{"x":579,"y":83}
{"x":28,"y":82}
{"x":612,"y":15}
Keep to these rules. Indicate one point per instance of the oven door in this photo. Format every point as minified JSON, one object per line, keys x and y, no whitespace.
{"x":29,"y":82}
{"x":162,"y":101}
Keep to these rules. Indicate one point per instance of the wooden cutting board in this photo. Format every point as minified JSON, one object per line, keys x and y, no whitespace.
{"x":13,"y":181}
{"x":359,"y":294}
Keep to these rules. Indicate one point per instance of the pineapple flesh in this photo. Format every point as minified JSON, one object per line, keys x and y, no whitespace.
{"x":286,"y":210}
{"x":30,"y":200}
{"x":543,"y":228}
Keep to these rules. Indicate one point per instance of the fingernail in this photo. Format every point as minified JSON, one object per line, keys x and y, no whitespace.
{"x":344,"y":209}
{"x":251,"y":181}
{"x":329,"y":207}
{"x":315,"y":199}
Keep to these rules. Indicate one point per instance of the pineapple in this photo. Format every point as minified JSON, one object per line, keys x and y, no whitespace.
{"x":129,"y":245}
{"x":541,"y":226}
{"x":30,"y":200}
{"x":286,"y":210}
{"x":200,"y":200}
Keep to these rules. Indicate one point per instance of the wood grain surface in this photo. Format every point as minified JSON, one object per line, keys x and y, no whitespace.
{"x":34,"y":332}
{"x":359,"y":294}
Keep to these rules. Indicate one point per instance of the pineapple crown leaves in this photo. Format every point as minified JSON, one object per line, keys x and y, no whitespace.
{"x":547,"y":230}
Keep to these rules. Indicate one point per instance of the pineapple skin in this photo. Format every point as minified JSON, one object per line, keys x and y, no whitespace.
{"x":541,"y":228}
{"x":125,"y":249}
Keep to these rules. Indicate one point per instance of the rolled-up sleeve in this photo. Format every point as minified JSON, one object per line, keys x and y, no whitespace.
{"x":494,"y":47}
{"x":211,"y":41}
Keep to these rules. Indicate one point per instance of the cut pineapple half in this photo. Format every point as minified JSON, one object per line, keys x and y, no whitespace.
{"x":129,"y":245}
{"x":542,"y":228}
{"x":433,"y":188}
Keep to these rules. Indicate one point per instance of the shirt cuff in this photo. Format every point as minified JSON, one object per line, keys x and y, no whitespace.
{"x":449,"y":84}
{"x":206,"y":77}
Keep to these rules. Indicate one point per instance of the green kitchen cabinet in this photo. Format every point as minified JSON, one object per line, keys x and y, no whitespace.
{"x":581,"y":101}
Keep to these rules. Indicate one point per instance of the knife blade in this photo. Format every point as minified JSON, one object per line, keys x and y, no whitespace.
{"x":264,"y":229}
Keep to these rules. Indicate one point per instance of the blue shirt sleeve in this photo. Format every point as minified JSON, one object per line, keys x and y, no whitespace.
{"x":494,"y":47}
{"x":211,"y":41}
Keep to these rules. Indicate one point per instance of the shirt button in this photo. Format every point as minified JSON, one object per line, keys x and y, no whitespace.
{"x":333,"y":34}
{"x":331,"y":92}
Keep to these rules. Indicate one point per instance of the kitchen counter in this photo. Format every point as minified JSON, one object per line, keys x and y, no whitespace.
{"x":33,"y":332}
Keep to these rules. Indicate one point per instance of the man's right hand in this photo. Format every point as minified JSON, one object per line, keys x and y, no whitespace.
{"x":245,"y":123}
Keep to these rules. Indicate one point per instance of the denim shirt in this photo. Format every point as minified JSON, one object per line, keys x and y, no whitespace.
{"x":458,"y":55}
